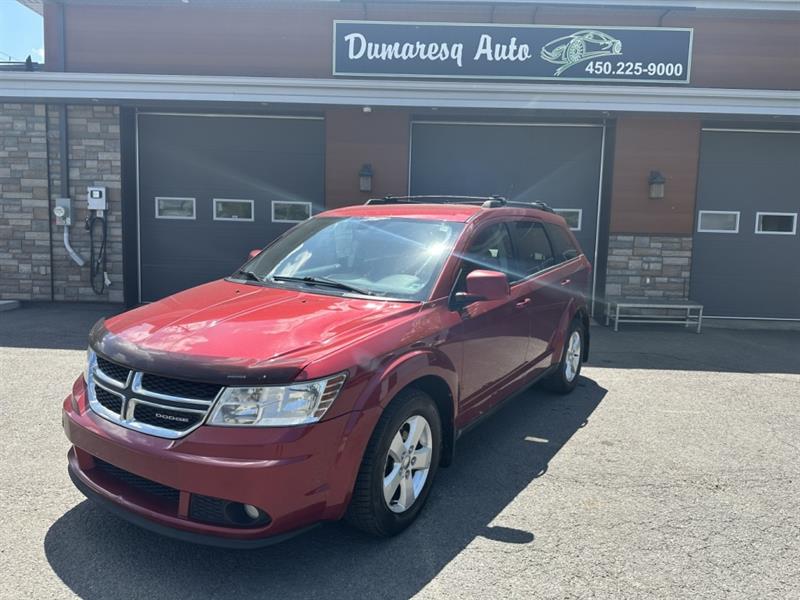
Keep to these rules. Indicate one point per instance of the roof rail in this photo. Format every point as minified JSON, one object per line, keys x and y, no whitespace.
{"x":483,"y":201}
{"x":534,"y":204}
{"x":434,"y":199}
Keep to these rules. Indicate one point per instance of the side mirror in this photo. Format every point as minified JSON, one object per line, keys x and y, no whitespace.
{"x":483,"y":286}
{"x":253,"y":253}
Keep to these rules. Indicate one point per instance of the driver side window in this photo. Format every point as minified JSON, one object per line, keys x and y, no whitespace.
{"x":490,"y":249}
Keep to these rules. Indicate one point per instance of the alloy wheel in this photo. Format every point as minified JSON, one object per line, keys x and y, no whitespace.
{"x":407,"y":464}
{"x":572,"y":361}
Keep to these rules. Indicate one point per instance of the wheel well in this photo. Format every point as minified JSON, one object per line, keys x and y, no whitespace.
{"x":439,"y":391}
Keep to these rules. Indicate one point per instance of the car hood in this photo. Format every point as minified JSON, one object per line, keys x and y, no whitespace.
{"x":225,"y":331}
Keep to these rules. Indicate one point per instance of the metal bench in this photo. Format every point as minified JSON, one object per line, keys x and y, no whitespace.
{"x":677,"y":312}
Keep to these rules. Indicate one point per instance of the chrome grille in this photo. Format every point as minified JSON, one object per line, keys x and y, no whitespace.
{"x":179,"y":388}
{"x":112,"y":372}
{"x":111,"y":401}
{"x":160,"y":406}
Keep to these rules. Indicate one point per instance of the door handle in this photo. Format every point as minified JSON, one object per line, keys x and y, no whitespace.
{"x":523,"y":303}
{"x":566,"y":281}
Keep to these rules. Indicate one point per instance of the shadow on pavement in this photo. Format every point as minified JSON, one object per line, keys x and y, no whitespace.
{"x":675,"y":348}
{"x":99,"y":556}
{"x":52,"y":325}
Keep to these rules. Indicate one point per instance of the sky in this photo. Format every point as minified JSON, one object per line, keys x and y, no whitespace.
{"x":21,"y":32}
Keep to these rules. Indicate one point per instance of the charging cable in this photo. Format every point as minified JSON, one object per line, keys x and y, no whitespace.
{"x":98,"y":275}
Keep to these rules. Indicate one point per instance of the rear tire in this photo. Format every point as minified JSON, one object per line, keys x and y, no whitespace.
{"x":397,"y":470}
{"x":565,"y":378}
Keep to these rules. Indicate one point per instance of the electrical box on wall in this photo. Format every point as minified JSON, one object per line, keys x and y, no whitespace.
{"x":96,"y":197}
{"x":63,"y":212}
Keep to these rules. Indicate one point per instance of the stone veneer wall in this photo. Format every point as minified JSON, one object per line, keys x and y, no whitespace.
{"x":25,"y":239}
{"x":24,"y":235}
{"x":643,"y":267}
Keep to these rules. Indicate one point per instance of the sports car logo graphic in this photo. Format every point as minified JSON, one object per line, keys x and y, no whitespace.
{"x":572,"y":49}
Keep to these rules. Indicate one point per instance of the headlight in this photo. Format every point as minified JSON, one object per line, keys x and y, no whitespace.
{"x":275,"y":406}
{"x":91,"y":359}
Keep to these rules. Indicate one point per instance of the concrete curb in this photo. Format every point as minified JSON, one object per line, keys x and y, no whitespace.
{"x":8,"y":305}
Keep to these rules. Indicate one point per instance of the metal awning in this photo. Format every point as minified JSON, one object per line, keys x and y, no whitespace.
{"x":406,"y":93}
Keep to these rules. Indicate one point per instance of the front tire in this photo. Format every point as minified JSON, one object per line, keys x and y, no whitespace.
{"x":399,"y":466}
{"x":565,"y":377}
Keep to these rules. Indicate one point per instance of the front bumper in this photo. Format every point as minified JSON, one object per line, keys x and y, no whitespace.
{"x":298,"y":476}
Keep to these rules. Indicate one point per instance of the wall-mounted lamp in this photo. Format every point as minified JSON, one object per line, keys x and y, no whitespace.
{"x":365,"y":178}
{"x":657,"y":183}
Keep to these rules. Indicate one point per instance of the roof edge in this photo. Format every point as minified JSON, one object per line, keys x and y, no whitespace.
{"x":115,"y":87}
{"x":737,"y":5}
{"x":36,"y":6}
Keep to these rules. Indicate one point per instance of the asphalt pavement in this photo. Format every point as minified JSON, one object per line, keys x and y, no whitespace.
{"x":673,"y":471}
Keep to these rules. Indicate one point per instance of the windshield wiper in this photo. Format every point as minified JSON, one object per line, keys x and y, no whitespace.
{"x":249,"y":275}
{"x":324,"y":281}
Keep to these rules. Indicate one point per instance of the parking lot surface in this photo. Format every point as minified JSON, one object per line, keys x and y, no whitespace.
{"x":673,"y":471}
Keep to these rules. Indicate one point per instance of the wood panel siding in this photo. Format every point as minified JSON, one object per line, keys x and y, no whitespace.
{"x":354,"y":138}
{"x":671,"y":146}
{"x":733,"y":50}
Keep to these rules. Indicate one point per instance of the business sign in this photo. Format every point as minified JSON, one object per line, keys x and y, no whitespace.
{"x":524,"y":52}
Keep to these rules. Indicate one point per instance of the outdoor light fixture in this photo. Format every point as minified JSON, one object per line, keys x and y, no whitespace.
{"x":365,"y":178}
{"x":657,"y":182}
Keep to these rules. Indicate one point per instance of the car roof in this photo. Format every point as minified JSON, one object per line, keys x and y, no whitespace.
{"x":460,"y":213}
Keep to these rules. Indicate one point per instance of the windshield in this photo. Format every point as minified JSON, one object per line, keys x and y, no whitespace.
{"x":389,"y":257}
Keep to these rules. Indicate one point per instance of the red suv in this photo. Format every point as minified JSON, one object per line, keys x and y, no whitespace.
{"x":332,"y":374}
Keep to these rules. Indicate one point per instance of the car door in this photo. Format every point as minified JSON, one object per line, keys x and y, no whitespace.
{"x":535,"y":267}
{"x":570,"y":279}
{"x":494,"y":335}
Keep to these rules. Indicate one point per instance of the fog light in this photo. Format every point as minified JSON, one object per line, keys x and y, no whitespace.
{"x":251,"y":511}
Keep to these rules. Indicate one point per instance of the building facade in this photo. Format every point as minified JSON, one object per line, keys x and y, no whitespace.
{"x":668,"y":137}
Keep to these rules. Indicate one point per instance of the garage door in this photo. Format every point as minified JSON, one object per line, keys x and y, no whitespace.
{"x":213,"y":187}
{"x":746,"y":256}
{"x":556,"y":164}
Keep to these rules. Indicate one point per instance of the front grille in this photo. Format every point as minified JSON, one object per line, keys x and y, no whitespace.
{"x":174,"y":420}
{"x":152,"y":404}
{"x":141,"y":484}
{"x":179,"y":388}
{"x":113,"y":371}
{"x":112,"y":402}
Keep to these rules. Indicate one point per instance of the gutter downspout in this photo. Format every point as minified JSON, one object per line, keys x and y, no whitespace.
{"x":63,"y":138}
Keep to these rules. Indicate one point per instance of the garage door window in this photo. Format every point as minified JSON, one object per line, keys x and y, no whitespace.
{"x":175,"y":208}
{"x":233,"y":210}
{"x":718,"y":221}
{"x":776,"y":223}
{"x":573,"y":217}
{"x":290,"y":212}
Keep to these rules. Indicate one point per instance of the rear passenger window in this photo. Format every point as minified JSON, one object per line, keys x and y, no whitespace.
{"x":563,"y":246}
{"x":532,"y":251}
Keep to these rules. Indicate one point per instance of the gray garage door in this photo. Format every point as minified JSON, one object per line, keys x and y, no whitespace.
{"x":211,"y":188}
{"x":746,"y":257}
{"x":559,"y":165}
